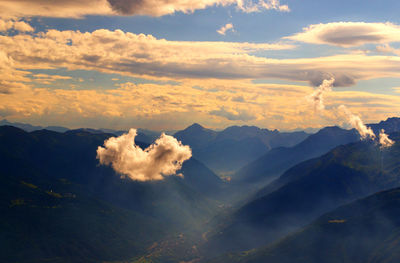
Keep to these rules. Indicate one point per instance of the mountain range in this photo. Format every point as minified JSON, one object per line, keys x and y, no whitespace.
{"x":308,"y":201}
{"x":58,"y":203}
{"x":228,"y":150}
{"x":366,"y":230}
{"x":308,"y":190}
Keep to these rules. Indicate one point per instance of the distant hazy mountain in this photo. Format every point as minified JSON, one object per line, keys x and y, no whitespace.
{"x":57,"y":203}
{"x":196,"y":136}
{"x":276,"y":161}
{"x":308,"y":190}
{"x":226,"y":151}
{"x":389,"y":125}
{"x":143,"y":135}
{"x":367,"y":230}
{"x":29,"y":127}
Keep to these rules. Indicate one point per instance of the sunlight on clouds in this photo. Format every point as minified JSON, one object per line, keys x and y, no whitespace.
{"x":163,"y":158}
{"x":225,"y":28}
{"x":388,"y":49}
{"x":214,"y":104}
{"x":349,"y":34}
{"x":211,"y":81}
{"x":145,"y":56}
{"x":10,"y":24}
{"x":80,"y":8}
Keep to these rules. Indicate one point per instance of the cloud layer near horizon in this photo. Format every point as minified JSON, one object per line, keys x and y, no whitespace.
{"x":163,"y":158}
{"x":80,"y":8}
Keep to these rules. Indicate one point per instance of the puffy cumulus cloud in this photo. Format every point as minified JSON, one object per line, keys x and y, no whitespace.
{"x":223,"y":29}
{"x":349,"y":34}
{"x":160,"y":159}
{"x":79,"y":8}
{"x":21,"y":26}
{"x":145,"y":56}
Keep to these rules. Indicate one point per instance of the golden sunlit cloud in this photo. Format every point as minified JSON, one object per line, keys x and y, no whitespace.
{"x":225,"y":28}
{"x":212,"y":81}
{"x":214,"y":103}
{"x":145,"y":56}
{"x":80,"y":8}
{"x":10,"y":24}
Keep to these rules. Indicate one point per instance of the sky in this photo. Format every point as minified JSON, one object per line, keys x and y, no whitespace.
{"x":166,"y":64}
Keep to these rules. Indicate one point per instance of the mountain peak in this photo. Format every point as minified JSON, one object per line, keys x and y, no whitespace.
{"x":195,"y":126}
{"x":330,"y":130}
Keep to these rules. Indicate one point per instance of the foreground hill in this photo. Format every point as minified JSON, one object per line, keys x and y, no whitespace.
{"x":58,"y":204}
{"x":310,"y":189}
{"x":228,"y":150}
{"x":46,"y":220}
{"x":367,"y":230}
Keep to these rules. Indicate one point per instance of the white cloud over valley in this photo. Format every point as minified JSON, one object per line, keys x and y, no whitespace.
{"x":163,"y":158}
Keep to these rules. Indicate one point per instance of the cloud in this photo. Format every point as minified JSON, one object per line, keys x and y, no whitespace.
{"x":160,"y":159}
{"x":386,"y":48}
{"x":317,"y":100}
{"x":349,"y":34}
{"x":174,"y":106}
{"x":317,"y":97}
{"x":49,"y":79}
{"x":223,"y":29}
{"x":356,"y":122}
{"x":11,"y":78}
{"x":80,"y":8}
{"x":234,"y":115}
{"x":50,"y":8}
{"x":21,"y":26}
{"x":145,"y":56}
{"x":384,"y":140}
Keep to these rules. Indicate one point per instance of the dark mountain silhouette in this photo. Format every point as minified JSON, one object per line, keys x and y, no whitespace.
{"x":57,"y":203}
{"x":367,"y":230}
{"x":308,"y":190}
{"x":276,"y":161}
{"x":389,"y":125}
{"x":30,"y":128}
